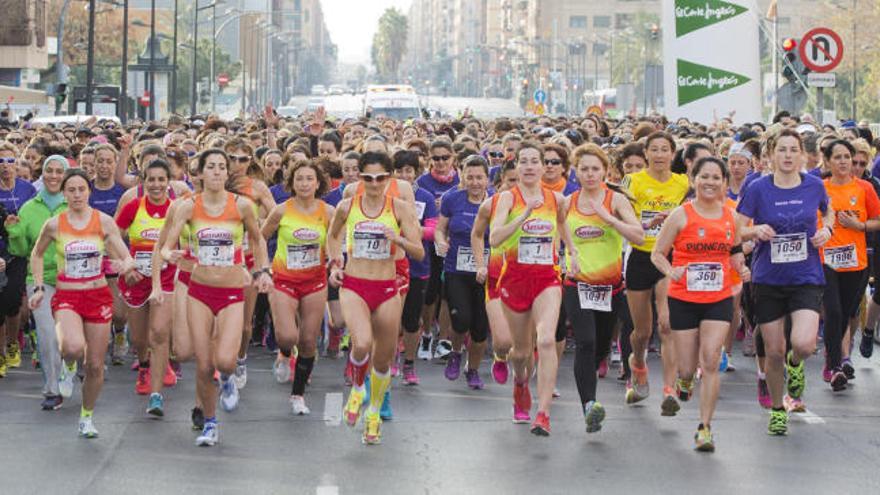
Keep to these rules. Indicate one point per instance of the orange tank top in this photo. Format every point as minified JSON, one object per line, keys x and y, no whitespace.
{"x":703,"y":246}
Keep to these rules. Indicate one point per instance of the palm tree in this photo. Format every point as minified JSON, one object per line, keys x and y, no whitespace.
{"x":389,"y":44}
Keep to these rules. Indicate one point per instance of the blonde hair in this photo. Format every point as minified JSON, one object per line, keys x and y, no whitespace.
{"x":590,"y":149}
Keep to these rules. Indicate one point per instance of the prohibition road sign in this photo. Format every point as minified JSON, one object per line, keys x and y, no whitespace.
{"x":821,"y":49}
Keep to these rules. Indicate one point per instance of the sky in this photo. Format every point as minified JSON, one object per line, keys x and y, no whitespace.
{"x":352,"y":24}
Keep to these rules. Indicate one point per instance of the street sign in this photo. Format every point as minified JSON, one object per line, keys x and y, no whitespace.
{"x":222,"y":80}
{"x":821,"y":79}
{"x":821,"y":49}
{"x":540,"y":96}
{"x":594,"y":110}
{"x":539,"y":109}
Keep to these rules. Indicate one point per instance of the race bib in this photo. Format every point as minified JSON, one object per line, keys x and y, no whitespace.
{"x":465,"y":260}
{"x":143,"y":263}
{"x":841,"y":257}
{"x":705,"y":277}
{"x":82,"y":264}
{"x":420,"y":210}
{"x":303,"y":256}
{"x":371,"y":246}
{"x":647,"y":218}
{"x":595,"y":297}
{"x":788,"y":248}
{"x":216,"y":252}
{"x":535,"y":251}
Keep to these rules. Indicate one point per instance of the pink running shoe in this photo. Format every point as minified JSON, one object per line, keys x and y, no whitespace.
{"x":603,"y":368}
{"x":764,"y":394}
{"x":409,"y":374}
{"x":500,"y":371}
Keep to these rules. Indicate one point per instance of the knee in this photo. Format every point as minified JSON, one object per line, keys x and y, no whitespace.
{"x":73,"y":351}
{"x":94,"y":367}
{"x":158,"y":337}
{"x":547,"y":343}
{"x":709,"y":361}
{"x":226,"y":364}
{"x":803,"y":348}
{"x":774,"y":351}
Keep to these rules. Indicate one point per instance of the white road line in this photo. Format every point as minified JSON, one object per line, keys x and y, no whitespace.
{"x":812,"y":418}
{"x":332,"y":415}
{"x":327,"y":490}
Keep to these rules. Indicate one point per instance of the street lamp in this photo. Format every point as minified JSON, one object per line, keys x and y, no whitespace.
{"x":90,"y":64}
{"x":214,"y":49}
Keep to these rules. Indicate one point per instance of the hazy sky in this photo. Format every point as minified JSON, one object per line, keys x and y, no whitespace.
{"x":352,"y":24}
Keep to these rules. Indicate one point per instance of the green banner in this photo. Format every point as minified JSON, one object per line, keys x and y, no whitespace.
{"x":691,"y":15}
{"x":697,"y":81}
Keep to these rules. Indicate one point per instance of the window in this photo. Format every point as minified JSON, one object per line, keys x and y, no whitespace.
{"x":622,"y":21}
{"x":602,"y":21}
{"x":577,"y":21}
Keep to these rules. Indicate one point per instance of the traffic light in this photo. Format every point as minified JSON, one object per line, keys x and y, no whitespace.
{"x":792,"y":67}
{"x":655,"y":32}
{"x":60,"y":93}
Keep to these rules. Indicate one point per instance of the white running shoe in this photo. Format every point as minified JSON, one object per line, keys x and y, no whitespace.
{"x":229,"y":395}
{"x":210,"y":435}
{"x":241,"y":374}
{"x":87,"y":427}
{"x":425,"y":343}
{"x":65,"y":380}
{"x":281,"y":369}
{"x":298,"y":405}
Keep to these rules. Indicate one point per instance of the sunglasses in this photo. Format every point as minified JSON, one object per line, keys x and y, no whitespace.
{"x":859,"y":163}
{"x":438,"y":158}
{"x":9,"y":161}
{"x":496,"y":154}
{"x":240,"y":158}
{"x":377,"y":178}
{"x":190,"y":154}
{"x":553,"y":161}
{"x":15,"y":140}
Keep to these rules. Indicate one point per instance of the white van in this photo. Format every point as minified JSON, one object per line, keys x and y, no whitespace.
{"x":395,"y":101}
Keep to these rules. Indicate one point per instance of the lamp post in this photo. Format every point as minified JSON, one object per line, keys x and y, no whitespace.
{"x":90,"y":63}
{"x":195,"y":55}
{"x":174,"y":63}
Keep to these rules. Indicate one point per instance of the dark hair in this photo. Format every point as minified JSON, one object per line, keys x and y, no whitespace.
{"x":660,"y":135}
{"x":506,"y":167}
{"x":780,"y":115}
{"x":441,"y":143}
{"x":476,"y":161}
{"x":633,"y":149}
{"x":203,"y":158}
{"x":561,"y":151}
{"x":786,"y":133}
{"x":352,"y":155}
{"x":725,"y":172}
{"x":323,"y":179}
{"x":75,"y":172}
{"x":332,"y":137}
{"x":404,"y":158}
{"x":374,"y":157}
{"x":158,"y":163}
{"x":828,"y":151}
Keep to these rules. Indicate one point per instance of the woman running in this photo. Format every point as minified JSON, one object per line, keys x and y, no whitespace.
{"x":526,"y":225}
{"x":149,"y":322}
{"x":218,"y":220}
{"x":845,"y":255}
{"x":705,"y":243}
{"x":464,"y":293}
{"x":655,"y":191}
{"x":82,"y":304}
{"x":597,"y":221}
{"x":299,"y":271}
{"x":375,"y":226}
{"x":786,"y":270}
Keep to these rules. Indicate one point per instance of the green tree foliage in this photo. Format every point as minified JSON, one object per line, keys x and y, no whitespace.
{"x":389,"y":44}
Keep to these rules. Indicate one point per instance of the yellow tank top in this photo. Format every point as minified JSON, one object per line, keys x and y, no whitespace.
{"x":365,"y":236}
{"x":302,"y":240}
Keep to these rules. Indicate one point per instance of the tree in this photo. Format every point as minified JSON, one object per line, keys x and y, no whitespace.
{"x":389,"y":44}
{"x":223,"y":65}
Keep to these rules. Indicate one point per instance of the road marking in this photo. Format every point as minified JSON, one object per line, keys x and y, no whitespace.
{"x":332,"y":414}
{"x":327,"y":490}
{"x":812,"y":418}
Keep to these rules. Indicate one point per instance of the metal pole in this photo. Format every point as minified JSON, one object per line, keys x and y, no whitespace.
{"x":820,"y":105}
{"x":152,"y":115}
{"x":122,"y":108}
{"x":60,"y":73}
{"x":776,"y":62}
{"x":174,"y":63}
{"x":855,"y":74}
{"x":213,"y":53}
{"x":193,"y":97}
{"x":90,"y":61}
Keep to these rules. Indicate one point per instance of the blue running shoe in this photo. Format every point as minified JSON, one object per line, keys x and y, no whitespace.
{"x":386,"y":413}
{"x":157,"y":405}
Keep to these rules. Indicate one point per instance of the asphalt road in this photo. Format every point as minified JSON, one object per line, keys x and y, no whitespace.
{"x":352,"y":106}
{"x":444,"y":438}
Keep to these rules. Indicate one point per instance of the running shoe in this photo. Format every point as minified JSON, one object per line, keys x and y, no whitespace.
{"x":333,"y":340}
{"x":838,"y":380}
{"x":157,"y":405}
{"x":637,"y":388}
{"x":281,"y":369}
{"x":345,"y":341}
{"x":410,"y":377}
{"x":198,"y":418}
{"x":444,"y":347}
{"x":135,"y":365}
{"x":385,"y":412}
{"x":298,"y":405}
{"x":669,"y":406}
{"x":615,"y":353}
{"x":603,"y":368}
{"x":500,"y":371}
{"x":778,"y":423}
{"x":453,"y":366}
{"x":175,"y":366}
{"x":120,"y":349}
{"x":722,"y":364}
{"x":796,"y":378}
{"x":847,"y":367}
{"x":170,"y":378}
{"x":748,"y":348}
{"x":346,"y":375}
{"x":703,"y":441}
{"x":353,"y":407}
{"x":730,"y":366}
{"x":87,"y":427}
{"x":241,"y":374}
{"x":684,"y":389}
{"x":866,"y":345}
{"x":556,"y":393}
{"x":793,"y":405}
{"x":473,"y":379}
{"x":594,"y":414}
{"x":425,"y":347}
{"x":229,"y":394}
{"x":142,"y":384}
{"x":51,"y":403}
{"x":826,"y":373}
{"x":372,"y":429}
{"x":2,"y":366}
{"x":541,"y":425}
{"x":764,"y":398}
{"x":210,"y":435}
{"x":522,"y":403}
{"x":13,"y":355}
{"x":65,"y":379}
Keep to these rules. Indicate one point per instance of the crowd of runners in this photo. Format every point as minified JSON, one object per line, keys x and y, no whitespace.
{"x":492,"y":245}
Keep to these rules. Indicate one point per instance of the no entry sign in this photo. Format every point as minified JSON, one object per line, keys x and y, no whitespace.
{"x":821,"y":49}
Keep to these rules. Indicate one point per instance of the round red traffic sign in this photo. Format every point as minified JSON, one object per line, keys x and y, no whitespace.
{"x":223,"y":79}
{"x":821,"y":49}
